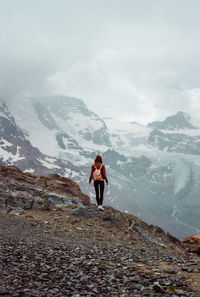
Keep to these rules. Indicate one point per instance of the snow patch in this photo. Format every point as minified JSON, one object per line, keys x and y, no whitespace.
{"x":30,"y":170}
{"x":48,"y":164}
{"x":71,"y":173}
{"x":50,"y":160}
{"x":4,"y":143}
{"x":9,"y":157}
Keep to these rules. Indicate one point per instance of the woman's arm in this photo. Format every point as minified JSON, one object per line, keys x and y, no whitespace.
{"x":104,"y":174}
{"x":91,"y":173}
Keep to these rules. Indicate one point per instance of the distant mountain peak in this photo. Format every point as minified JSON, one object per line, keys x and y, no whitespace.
{"x":180,"y":120}
{"x":183,"y":114}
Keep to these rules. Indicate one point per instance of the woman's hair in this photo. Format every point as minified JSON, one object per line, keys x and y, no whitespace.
{"x":98,"y":159}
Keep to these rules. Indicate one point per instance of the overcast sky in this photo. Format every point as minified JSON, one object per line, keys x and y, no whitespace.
{"x":127,"y":59}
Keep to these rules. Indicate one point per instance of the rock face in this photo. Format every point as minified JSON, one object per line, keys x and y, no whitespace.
{"x":192,"y":243}
{"x":21,"y":191}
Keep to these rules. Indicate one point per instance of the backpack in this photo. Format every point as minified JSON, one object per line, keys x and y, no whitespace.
{"x":97,"y":173}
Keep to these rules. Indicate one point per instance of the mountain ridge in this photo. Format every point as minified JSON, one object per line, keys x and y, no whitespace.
{"x":71,"y":248}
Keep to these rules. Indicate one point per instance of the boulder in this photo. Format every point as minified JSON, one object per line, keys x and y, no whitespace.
{"x":85,"y":212}
{"x":19,"y":190}
{"x":192,"y":243}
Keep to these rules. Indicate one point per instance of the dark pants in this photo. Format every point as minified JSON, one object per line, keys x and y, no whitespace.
{"x":99,"y":185}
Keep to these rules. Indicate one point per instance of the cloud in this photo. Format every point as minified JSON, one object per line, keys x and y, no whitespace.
{"x":132,"y":60}
{"x":194,"y":96}
{"x":141,"y":79}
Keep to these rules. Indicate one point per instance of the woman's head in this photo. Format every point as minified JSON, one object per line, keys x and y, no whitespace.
{"x":98,"y":159}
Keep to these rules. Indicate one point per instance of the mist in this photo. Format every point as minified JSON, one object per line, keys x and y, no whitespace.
{"x":130,"y":60}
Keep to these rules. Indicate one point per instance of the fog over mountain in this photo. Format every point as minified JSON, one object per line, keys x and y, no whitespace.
{"x":142,"y":53}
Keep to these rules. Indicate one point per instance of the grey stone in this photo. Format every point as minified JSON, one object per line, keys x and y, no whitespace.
{"x":85,"y":211}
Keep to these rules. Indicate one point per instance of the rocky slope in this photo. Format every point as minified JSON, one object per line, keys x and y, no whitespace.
{"x":27,"y":191}
{"x":61,"y":245}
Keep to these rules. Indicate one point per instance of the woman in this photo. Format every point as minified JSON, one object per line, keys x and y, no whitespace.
{"x":98,"y":173}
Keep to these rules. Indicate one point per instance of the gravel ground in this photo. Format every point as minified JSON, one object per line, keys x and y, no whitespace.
{"x":43,"y":254}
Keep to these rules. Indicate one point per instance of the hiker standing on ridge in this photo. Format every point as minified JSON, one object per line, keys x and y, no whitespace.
{"x":98,"y":173}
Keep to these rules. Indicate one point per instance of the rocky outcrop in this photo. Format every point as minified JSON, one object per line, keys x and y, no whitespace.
{"x":192,"y":243}
{"x":21,"y":191}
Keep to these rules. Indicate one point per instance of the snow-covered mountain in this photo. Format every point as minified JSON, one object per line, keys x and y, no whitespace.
{"x":61,"y":127}
{"x":179,"y":121}
{"x":179,"y":133}
{"x":154,"y":170}
{"x":18,"y":149}
{"x":14,"y":147}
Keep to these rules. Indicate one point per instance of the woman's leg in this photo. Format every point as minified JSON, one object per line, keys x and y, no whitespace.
{"x":101,"y":183}
{"x":96,"y":186}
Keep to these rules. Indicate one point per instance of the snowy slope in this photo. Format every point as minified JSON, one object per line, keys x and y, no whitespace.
{"x":76,"y":119}
{"x":61,"y":127}
{"x":126,"y":137}
{"x":17,"y":150}
{"x":28,"y":120}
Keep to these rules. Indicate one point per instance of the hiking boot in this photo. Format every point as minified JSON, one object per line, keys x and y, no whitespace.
{"x":100,"y":207}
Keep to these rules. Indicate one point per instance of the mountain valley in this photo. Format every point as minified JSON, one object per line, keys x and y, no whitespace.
{"x":154,"y":170}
